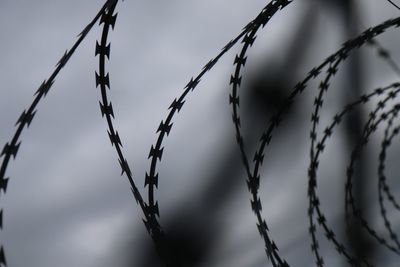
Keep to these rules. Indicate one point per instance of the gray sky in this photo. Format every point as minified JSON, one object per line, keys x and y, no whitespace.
{"x":66,"y":204}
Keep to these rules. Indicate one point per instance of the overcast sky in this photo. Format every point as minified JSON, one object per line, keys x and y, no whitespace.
{"x":67,"y":204}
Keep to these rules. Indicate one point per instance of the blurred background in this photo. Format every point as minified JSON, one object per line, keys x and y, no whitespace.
{"x":66,"y":203}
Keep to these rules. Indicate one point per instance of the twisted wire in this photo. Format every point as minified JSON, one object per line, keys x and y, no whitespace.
{"x":266,"y":138}
{"x":247,"y":36}
{"x":253,"y":181}
{"x":383,"y":187}
{"x":156,"y":151}
{"x":11,"y":148}
{"x":319,"y":147}
{"x":369,"y":128}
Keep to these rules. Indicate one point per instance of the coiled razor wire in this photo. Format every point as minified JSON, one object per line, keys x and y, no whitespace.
{"x":253,"y":181}
{"x":11,"y":148}
{"x":384,"y":112}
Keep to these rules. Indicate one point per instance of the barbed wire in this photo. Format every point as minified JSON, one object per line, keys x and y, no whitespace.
{"x":103,"y":50}
{"x":11,"y":148}
{"x":369,"y":128}
{"x":318,"y":147}
{"x":382,"y":185}
{"x":254,"y":180}
{"x":247,"y":36}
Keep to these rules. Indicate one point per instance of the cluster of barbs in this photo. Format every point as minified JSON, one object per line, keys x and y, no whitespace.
{"x":247,"y":37}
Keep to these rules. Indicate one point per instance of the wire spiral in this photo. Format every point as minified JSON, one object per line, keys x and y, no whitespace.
{"x":386,"y":111}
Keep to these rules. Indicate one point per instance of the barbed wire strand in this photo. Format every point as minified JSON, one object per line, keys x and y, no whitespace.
{"x":11,"y":148}
{"x":299,"y":88}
